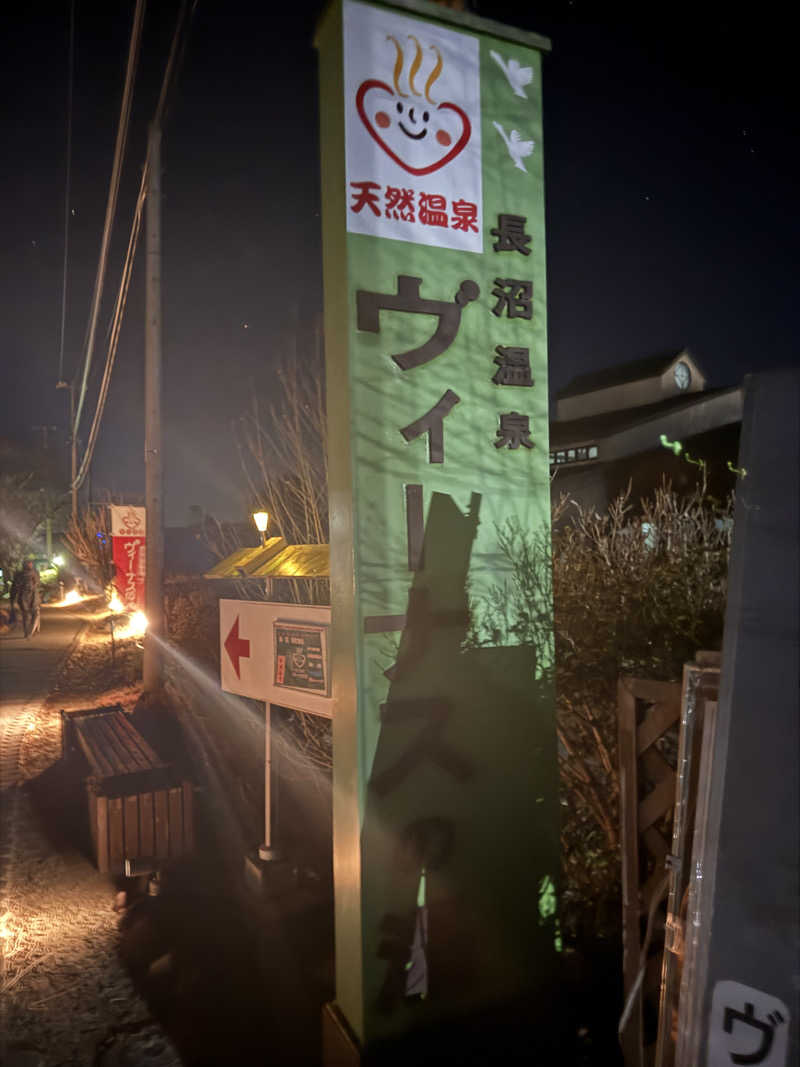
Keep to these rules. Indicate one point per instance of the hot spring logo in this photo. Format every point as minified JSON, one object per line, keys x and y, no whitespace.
{"x":420,"y":134}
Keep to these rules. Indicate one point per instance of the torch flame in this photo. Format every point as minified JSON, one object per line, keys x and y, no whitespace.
{"x":138,"y":623}
{"x":7,"y":929}
{"x":136,"y":626}
{"x":115,"y":604}
{"x":11,"y":936}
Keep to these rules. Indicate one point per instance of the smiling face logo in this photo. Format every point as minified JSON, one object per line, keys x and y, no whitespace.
{"x":418,"y":133}
{"x":131,"y":520}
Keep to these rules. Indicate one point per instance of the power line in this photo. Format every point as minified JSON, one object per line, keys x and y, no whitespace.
{"x":170,"y":75}
{"x":116,"y":324}
{"x":67,"y":187}
{"x":174,"y":61}
{"x":111,"y":206}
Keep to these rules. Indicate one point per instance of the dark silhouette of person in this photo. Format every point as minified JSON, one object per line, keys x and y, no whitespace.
{"x":29,"y":597}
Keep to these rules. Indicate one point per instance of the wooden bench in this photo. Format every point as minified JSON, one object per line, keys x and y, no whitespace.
{"x":138,"y":811}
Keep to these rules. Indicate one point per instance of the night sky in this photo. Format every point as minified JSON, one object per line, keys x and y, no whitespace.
{"x":670,"y":149}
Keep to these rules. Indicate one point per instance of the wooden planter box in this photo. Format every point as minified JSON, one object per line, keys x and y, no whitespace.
{"x":138,"y":809}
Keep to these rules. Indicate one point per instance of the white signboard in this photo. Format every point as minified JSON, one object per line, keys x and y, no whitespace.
{"x":746,"y":1026}
{"x":128,"y":521}
{"x":277,"y":653}
{"x":412,"y":130}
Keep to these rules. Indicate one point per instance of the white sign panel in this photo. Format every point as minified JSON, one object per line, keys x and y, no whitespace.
{"x":277,"y":653}
{"x":747,"y":1026}
{"x":412,"y":130}
{"x":128,"y":521}
{"x":244,"y":639}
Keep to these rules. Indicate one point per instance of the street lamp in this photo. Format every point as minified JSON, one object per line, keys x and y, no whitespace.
{"x":261,"y":519}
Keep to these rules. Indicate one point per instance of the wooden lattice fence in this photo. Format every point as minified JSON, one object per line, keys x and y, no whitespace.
{"x":660,"y":728}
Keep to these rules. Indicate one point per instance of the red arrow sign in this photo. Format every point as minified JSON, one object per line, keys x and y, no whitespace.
{"x":237,"y":647}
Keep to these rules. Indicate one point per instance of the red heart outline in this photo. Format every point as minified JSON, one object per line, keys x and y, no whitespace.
{"x":373,"y":83}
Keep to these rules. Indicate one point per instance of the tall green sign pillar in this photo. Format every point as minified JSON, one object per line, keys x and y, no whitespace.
{"x":445,"y":803}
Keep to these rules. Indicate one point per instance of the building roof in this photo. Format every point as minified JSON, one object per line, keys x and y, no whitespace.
{"x":244,"y":561}
{"x":594,"y":427}
{"x":276,"y":559}
{"x":297,"y":561}
{"x":626,"y":433}
{"x":636,"y":370}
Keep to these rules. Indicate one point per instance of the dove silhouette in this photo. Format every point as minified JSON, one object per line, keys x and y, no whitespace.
{"x":517,"y":148}
{"x":517,"y":75}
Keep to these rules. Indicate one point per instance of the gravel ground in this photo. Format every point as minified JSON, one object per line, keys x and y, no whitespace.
{"x":65,"y":994}
{"x":205,"y":974}
{"x":65,"y":998}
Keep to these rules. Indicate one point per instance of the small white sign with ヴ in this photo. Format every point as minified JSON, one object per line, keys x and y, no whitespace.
{"x":747,"y":1026}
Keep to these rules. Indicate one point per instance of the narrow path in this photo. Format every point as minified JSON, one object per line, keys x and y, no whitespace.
{"x":28,"y":667}
{"x":65,"y":998}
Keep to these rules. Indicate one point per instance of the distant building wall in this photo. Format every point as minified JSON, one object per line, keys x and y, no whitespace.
{"x":596,"y":485}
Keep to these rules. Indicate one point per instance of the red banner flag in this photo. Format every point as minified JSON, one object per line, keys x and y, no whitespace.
{"x":128,"y":530}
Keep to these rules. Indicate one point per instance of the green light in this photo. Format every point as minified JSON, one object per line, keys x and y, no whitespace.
{"x":675,"y":446}
{"x":547,"y":910}
{"x":695,"y":462}
{"x":557,"y":941}
{"x":741,"y":471}
{"x":547,"y":897}
{"x":421,"y":890}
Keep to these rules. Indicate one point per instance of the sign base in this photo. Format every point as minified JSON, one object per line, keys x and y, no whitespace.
{"x":267,"y":854}
{"x":270,"y":877}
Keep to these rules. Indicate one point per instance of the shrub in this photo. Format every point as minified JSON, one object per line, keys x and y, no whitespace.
{"x":635,"y":591}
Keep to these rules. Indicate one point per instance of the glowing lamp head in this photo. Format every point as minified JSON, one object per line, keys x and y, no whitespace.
{"x":58,"y":561}
{"x":261,"y":519}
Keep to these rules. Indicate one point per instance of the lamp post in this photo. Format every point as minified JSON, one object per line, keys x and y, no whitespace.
{"x":261,"y":519}
{"x":266,"y":851}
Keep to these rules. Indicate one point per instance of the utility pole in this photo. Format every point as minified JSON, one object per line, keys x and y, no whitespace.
{"x":154,"y":473}
{"x":73,"y":453}
{"x":73,"y":446}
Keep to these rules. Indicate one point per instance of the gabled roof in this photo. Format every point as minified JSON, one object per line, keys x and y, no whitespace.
{"x":636,"y":370}
{"x":275,"y":560}
{"x":687,"y":415}
{"x":244,"y":561}
{"x":297,"y":561}
{"x":595,"y":427}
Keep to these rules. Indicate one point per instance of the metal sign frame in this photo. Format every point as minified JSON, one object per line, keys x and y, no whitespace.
{"x":257,"y":643}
